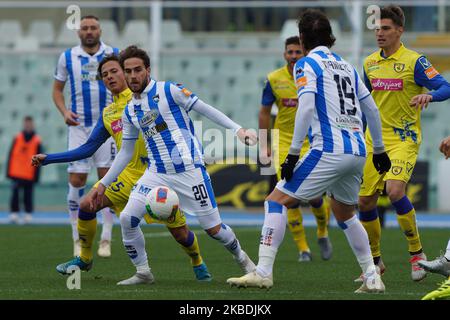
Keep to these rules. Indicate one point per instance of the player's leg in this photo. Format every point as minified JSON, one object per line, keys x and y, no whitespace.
{"x":87,"y":229}
{"x":321,"y":210}
{"x":294,"y":214}
{"x":102,"y":160}
{"x":403,"y":161}
{"x":28,"y":200}
{"x":77,"y":183}
{"x":14,"y":202}
{"x":132,"y":236}
{"x":344,"y":197}
{"x":367,"y":205}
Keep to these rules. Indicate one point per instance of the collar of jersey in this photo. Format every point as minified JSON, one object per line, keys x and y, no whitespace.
{"x":394,"y":56}
{"x":125,"y":95}
{"x":320,"y":48}
{"x":80,"y":52}
{"x":146,"y":90}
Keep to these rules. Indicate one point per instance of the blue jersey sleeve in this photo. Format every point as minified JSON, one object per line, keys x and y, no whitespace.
{"x":367,"y":81}
{"x":98,"y":136}
{"x":267,"y":98}
{"x":425,"y":75}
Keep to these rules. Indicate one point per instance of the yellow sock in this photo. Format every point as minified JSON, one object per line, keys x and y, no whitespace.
{"x":193,"y":251}
{"x":322,"y":215}
{"x":408,"y":225}
{"x":295,"y":224}
{"x":371,"y":223}
{"x":86,"y":231}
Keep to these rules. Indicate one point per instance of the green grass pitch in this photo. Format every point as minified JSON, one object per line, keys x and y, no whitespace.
{"x":29,"y":255}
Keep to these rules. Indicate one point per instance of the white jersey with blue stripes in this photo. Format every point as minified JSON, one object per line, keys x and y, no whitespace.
{"x":337,"y":125}
{"x":88,"y":94}
{"x":161,"y":114}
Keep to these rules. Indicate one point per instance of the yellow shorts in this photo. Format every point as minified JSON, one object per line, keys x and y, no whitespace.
{"x":403,"y":159}
{"x":282,"y":151}
{"x":119,"y":191}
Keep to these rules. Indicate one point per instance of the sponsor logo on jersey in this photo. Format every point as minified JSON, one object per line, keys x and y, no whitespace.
{"x":344,"y":122}
{"x":301,"y":82}
{"x":150,"y":132}
{"x":431,"y":72}
{"x":287,"y":102}
{"x":387,"y":84}
{"x":424,"y":62}
{"x":148,"y":118}
{"x":116,"y":126}
{"x":298,"y":72}
{"x":372,"y":65}
{"x":144,"y":189}
{"x":399,"y":67}
{"x":186,"y":92}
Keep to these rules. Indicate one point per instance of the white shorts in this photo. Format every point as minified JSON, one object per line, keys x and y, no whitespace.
{"x":193,"y":188}
{"x":102,"y":158}
{"x":318,"y":172}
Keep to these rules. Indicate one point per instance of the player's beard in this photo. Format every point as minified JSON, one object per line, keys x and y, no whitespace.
{"x":144,"y":85}
{"x":91,"y":44}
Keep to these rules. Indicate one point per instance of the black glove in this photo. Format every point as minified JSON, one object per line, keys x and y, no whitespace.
{"x":381,"y":162}
{"x":287,"y":168}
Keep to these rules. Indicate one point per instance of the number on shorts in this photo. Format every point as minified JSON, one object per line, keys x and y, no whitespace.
{"x":200,"y":192}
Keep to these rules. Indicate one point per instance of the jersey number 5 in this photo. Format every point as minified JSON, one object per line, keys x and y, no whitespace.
{"x":341,"y":83}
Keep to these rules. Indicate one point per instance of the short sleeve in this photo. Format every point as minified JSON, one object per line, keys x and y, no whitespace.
{"x":61,"y":69}
{"x":183,"y":96}
{"x":425,"y":75}
{"x":268,"y":98}
{"x":306,"y":72}
{"x":129,"y":131}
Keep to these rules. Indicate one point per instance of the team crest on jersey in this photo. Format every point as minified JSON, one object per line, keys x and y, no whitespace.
{"x":148,"y":118}
{"x":399,"y":67}
{"x":155,"y":98}
{"x":298,"y":72}
{"x":396,"y":170}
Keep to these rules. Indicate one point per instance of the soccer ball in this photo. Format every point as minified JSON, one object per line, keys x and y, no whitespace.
{"x":162,"y":203}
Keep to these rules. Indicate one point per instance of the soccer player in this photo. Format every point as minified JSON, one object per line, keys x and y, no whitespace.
{"x":332,"y":98}
{"x":116,"y":196}
{"x":396,"y":77}
{"x":160,"y":112}
{"x":88,"y":97}
{"x":280,"y":89}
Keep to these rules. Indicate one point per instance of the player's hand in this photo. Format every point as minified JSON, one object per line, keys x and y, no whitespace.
{"x":421,"y":100}
{"x":246,"y":136}
{"x":37,"y":159}
{"x":381,"y":162}
{"x":70,"y":118}
{"x":287,"y":168}
{"x":445,"y":147}
{"x":97,"y":197}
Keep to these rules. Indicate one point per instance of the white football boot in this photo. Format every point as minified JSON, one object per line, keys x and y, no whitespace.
{"x":417,"y":272}
{"x":439,"y":265}
{"x":252,"y":279}
{"x":138,"y":278}
{"x":372,"y":282}
{"x":104,"y":249}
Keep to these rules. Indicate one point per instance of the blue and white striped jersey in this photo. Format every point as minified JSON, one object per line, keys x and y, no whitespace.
{"x":161,"y":114}
{"x":337,"y":125}
{"x":88,"y":94}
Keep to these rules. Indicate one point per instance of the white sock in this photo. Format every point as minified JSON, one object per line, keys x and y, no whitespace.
{"x":447,"y":251}
{"x":132,"y":236}
{"x":227,"y":237}
{"x":108,"y":221}
{"x":359,"y":242}
{"x":73,"y":202}
{"x":272,"y":236}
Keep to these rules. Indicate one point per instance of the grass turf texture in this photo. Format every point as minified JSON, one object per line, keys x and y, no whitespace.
{"x":29,"y":255}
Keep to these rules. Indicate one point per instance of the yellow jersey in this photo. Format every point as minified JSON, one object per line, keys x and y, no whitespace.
{"x":280,"y":89}
{"x":112,"y":122}
{"x":393,"y":82}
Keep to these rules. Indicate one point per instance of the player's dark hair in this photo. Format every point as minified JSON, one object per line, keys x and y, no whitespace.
{"x":395,"y":13}
{"x":107,"y":58}
{"x":28,"y":118}
{"x":315,"y":29}
{"x":90,"y":16}
{"x":134,"y":52}
{"x":291,"y":40}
